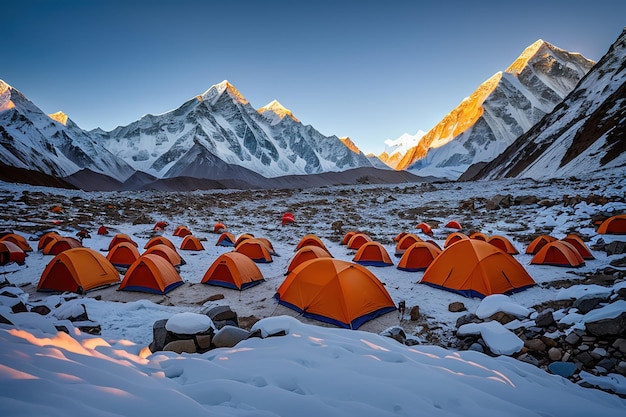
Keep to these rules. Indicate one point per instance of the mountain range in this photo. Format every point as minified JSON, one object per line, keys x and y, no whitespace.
{"x":549,"y":104}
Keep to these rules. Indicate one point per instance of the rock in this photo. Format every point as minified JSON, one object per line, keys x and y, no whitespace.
{"x":456,"y":307}
{"x":19,"y":307}
{"x":564,"y":369}
{"x":477,"y":347}
{"x":621,"y":368}
{"x":608,"y":327}
{"x":524,"y":200}
{"x":160,"y":336}
{"x":535,"y":345}
{"x":229,"y":336}
{"x":181,"y":346}
{"x":525,"y":357}
{"x":620,"y":344}
{"x":501,"y":317}
{"x":585,"y":358}
{"x":40,"y":309}
{"x":415,"y":313}
{"x":573,"y":339}
{"x":204,"y":341}
{"x":545,"y":319}
{"x":221,"y":313}
{"x":607,"y":363}
{"x":468,"y":318}
{"x":216,"y":297}
{"x":598,"y":353}
{"x":555,"y":354}
{"x":587,"y":303}
{"x":4,"y":320}
{"x":395,"y":332}
{"x":614,"y":248}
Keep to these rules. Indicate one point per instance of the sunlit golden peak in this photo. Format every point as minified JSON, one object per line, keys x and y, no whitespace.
{"x":278,"y":109}
{"x":213,"y":93}
{"x":350,"y":145}
{"x":5,"y":96}
{"x":59,"y":117}
{"x":518,"y":65}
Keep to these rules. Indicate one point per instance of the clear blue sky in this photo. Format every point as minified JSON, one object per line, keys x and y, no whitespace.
{"x":371,"y":70}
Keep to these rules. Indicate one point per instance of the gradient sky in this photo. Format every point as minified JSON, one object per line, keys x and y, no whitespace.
{"x":371,"y":70}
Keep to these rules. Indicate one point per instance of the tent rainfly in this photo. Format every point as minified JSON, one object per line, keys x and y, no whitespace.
{"x":372,"y":254}
{"x":152,"y":274}
{"x":558,"y":253}
{"x":233,"y":270}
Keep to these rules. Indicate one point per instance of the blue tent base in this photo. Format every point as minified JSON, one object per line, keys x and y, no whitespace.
{"x":149,"y":290}
{"x":232,"y":286}
{"x":474,"y":293}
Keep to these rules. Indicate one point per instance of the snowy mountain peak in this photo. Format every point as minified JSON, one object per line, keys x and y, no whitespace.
{"x":278,"y":112}
{"x":217,"y":90}
{"x":531,"y":51}
{"x":5,"y":96}
{"x":59,"y":117}
{"x":350,"y":145}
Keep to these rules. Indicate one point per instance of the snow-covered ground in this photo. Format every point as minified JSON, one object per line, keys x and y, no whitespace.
{"x":315,"y":369}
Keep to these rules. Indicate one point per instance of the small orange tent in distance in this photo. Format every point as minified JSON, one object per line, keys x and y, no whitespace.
{"x":307,"y":253}
{"x":287,"y":219}
{"x":226,"y":239}
{"x":425,"y":228}
{"x":372,"y":254}
{"x":333,"y":291}
{"x":219,"y":227}
{"x":453,"y":224}
{"x":357,"y":240}
{"x":119,"y":238}
{"x":255,"y":250}
{"x":102,"y":230}
{"x":268,"y":245}
{"x":453,"y":238}
{"x":152,"y":274}
{"x":18,"y":240}
{"x":312,"y":240}
{"x":123,"y":254}
{"x":190,"y":242}
{"x":77,"y":270}
{"x":167,"y":253}
{"x":418,"y":256}
{"x":479,"y":236}
{"x":182,"y":231}
{"x":160,"y":225}
{"x":10,"y":252}
{"x":348,"y":236}
{"x":406,"y":241}
{"x":243,"y":237}
{"x":558,"y":253}
{"x":46,"y":238}
{"x":474,"y":268}
{"x":580,"y":246}
{"x":60,"y":244}
{"x":615,"y":225}
{"x":503,"y":244}
{"x":233,"y":270}
{"x":159,"y":240}
{"x":538,"y":243}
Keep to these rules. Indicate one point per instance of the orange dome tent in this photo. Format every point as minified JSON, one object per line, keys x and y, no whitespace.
{"x":453,"y":238}
{"x":166,"y":252}
{"x":405,"y":242}
{"x":123,"y":254}
{"x":538,"y":243}
{"x":372,"y":254}
{"x":160,"y":226}
{"x":503,"y":244}
{"x":474,"y":268}
{"x":307,"y":253}
{"x":287,"y":218}
{"x":580,"y":246}
{"x":479,"y":236}
{"x":152,"y":274}
{"x":159,"y":240}
{"x":119,"y":238}
{"x":357,"y":240}
{"x":453,"y":224}
{"x":268,"y":245}
{"x":233,"y":270}
{"x":333,"y":291}
{"x":615,"y":225}
{"x":190,"y":242}
{"x":60,"y":244}
{"x":219,"y":227}
{"x":18,"y":240}
{"x":311,"y":239}
{"x":226,"y":239}
{"x":77,"y":270}
{"x":418,"y":256}
{"x":558,"y":253}
{"x":182,"y":231}
{"x":102,"y":230}
{"x":255,"y":250}
{"x":46,"y":238}
{"x":425,"y":228}
{"x":348,"y":236}
{"x":243,"y":237}
{"x":10,"y":252}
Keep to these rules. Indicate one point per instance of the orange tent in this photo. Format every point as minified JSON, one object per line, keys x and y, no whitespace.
{"x":405,"y":242}
{"x":123,"y":254}
{"x":226,"y":239}
{"x":311,"y":240}
{"x":474,"y":268}
{"x":538,"y":243}
{"x":357,"y":240}
{"x":152,"y":274}
{"x":348,"y":236}
{"x":18,"y":240}
{"x":268,"y":244}
{"x":255,"y":250}
{"x":372,"y":254}
{"x":453,"y":238}
{"x":77,"y":270}
{"x":479,"y":236}
{"x":287,"y":218}
{"x":60,"y":244}
{"x":580,"y":246}
{"x":10,"y":252}
{"x":453,"y":224}
{"x":119,"y":238}
{"x":167,"y":253}
{"x":334,"y":291}
{"x":558,"y":253}
{"x":426,"y":229}
{"x":233,"y":270}
{"x":182,"y":231}
{"x":102,"y":230}
{"x":615,"y":225}
{"x":46,"y":238}
{"x":399,"y":236}
{"x":306,"y":253}
{"x":159,"y":240}
{"x":190,"y":242}
{"x":219,"y":227}
{"x":418,"y":256}
{"x":160,"y":225}
{"x":503,"y":244}
{"x":243,"y":237}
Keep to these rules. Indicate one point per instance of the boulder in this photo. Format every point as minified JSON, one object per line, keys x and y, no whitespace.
{"x":608,"y":327}
{"x":229,"y":336}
